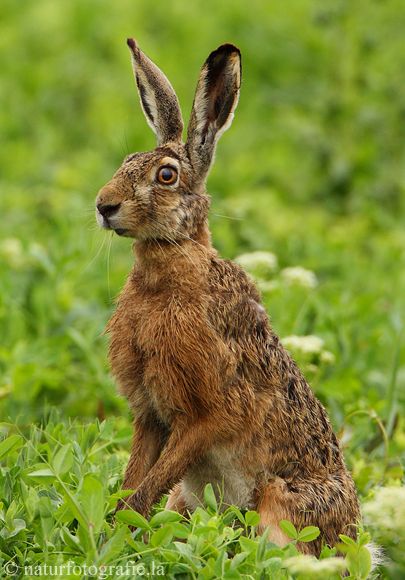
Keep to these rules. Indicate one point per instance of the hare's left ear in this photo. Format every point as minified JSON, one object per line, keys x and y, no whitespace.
{"x":158,"y":99}
{"x":214,"y":104}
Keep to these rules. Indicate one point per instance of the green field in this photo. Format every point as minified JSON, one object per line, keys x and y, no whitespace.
{"x":312,"y":172}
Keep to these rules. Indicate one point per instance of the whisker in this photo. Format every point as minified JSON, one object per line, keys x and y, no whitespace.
{"x":108,"y":265}
{"x":186,"y":237}
{"x":91,"y":223}
{"x":184,"y":253}
{"x":93,"y":228}
{"x":160,"y":248}
{"x":101,"y":246}
{"x":227,"y":216}
{"x":126,"y":143}
{"x":171,"y":240}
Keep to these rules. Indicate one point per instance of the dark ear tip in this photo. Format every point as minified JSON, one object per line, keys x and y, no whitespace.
{"x":225,"y":52}
{"x":132,"y":44}
{"x":228,"y":48}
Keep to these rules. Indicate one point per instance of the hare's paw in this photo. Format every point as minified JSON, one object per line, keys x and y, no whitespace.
{"x":138,"y":502}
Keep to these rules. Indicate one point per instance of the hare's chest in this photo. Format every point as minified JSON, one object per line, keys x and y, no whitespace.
{"x":161,"y":337}
{"x":146,"y":347}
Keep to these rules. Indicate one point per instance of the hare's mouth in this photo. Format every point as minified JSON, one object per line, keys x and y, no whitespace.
{"x":120,"y":231}
{"x":106,"y":223}
{"x":103,"y":221}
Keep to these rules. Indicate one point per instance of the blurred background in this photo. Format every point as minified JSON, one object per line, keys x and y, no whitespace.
{"x":312,"y":173}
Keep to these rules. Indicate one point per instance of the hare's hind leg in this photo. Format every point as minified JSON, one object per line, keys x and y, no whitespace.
{"x":176,"y":500}
{"x":272,"y":507}
{"x":330,"y":503}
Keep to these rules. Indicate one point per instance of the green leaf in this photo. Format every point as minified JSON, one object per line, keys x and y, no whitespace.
{"x":137,"y":547}
{"x":72,"y":504}
{"x":327,"y":552}
{"x":364,"y":538}
{"x":16,"y":526}
{"x":252,"y":518}
{"x":180,"y":530}
{"x":132,"y":518}
{"x":308,"y":534}
{"x":206,"y":531}
{"x":185,"y":550}
{"x":272,"y":566}
{"x":365,"y":562}
{"x":209,"y":497}
{"x":165,"y":517}
{"x":91,"y":497}
{"x":238,"y":559}
{"x":262,"y":545}
{"x":248,"y":545}
{"x":70,"y":540}
{"x":161,"y":537}
{"x":199,"y":516}
{"x":289,"y":529}
{"x":231,"y":513}
{"x":275,"y":553}
{"x":45,"y":474}
{"x":359,"y":563}
{"x":346,"y":540}
{"x":10,"y":443}
{"x":30,"y":501}
{"x":63,"y":460}
{"x":181,"y":570}
{"x":115,"y":497}
{"x":113,"y":547}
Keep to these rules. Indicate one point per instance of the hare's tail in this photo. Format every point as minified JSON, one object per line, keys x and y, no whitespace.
{"x":377,"y":555}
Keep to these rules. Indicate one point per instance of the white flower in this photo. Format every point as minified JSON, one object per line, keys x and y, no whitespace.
{"x":11,"y":251}
{"x":327,"y":357}
{"x":309,"y":565}
{"x":309,"y":344}
{"x":260,"y":264}
{"x":267,"y":285}
{"x":310,"y":348}
{"x":386,"y":510}
{"x":300,"y":276}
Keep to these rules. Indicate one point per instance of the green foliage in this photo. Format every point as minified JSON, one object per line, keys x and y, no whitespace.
{"x":358,"y":556}
{"x":60,"y":486}
{"x":308,"y":191}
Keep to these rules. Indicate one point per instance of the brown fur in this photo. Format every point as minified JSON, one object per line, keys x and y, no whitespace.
{"x":215,"y":396}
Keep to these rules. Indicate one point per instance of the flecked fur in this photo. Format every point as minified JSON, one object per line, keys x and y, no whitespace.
{"x":215,"y":396}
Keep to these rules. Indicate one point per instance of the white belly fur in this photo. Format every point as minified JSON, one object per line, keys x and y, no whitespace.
{"x":220,"y":468}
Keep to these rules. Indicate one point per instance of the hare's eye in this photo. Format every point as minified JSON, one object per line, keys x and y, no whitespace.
{"x":167,"y":175}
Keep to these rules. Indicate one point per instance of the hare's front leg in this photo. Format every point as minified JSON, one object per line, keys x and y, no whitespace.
{"x":186,"y":444}
{"x":147,"y":443}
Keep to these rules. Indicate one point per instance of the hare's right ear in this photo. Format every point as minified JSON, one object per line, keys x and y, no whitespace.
{"x":158,"y":99}
{"x":214,"y":104}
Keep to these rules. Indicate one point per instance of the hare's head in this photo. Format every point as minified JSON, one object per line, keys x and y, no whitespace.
{"x":161,"y":194}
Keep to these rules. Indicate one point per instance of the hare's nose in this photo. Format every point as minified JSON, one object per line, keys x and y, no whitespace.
{"x":107,"y":210}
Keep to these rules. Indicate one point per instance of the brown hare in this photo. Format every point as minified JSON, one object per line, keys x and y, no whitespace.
{"x":215,"y":397}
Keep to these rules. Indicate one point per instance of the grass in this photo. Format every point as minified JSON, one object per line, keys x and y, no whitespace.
{"x":311,"y":171}
{"x":60,"y":488}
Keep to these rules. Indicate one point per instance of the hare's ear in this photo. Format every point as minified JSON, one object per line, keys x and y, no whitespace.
{"x":214,"y":104}
{"x":158,"y":99}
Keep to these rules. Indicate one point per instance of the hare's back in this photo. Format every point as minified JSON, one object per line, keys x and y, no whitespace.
{"x":236,"y":311}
